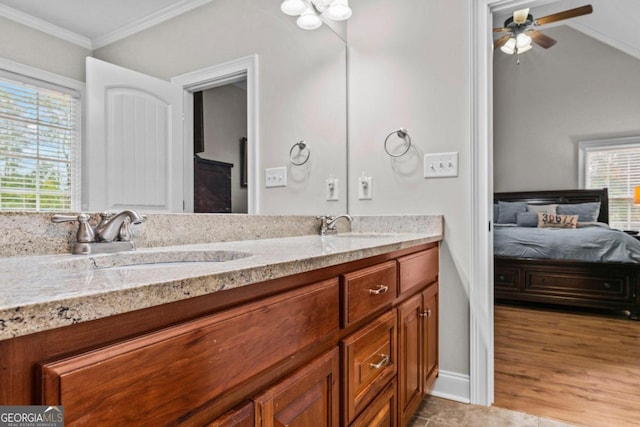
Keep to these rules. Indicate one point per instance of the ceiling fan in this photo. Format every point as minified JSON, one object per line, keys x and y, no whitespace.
{"x":521,"y":29}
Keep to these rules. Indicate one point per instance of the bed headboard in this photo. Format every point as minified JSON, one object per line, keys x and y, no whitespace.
{"x":560,"y":197}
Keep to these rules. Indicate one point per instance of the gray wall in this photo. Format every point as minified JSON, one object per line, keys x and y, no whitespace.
{"x":27,"y":46}
{"x":302,"y":87}
{"x":579,"y":89}
{"x":408,"y":68}
{"x":225,"y":122}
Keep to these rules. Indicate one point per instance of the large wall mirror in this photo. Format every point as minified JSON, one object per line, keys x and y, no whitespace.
{"x":301,"y":92}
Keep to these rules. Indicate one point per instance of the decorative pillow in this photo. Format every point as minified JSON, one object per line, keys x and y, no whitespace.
{"x":509,"y":210}
{"x":557,"y":221}
{"x":543,"y":208}
{"x":587,"y":212}
{"x":527,"y":219}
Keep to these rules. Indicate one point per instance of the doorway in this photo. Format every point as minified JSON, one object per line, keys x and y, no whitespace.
{"x":220,"y":149}
{"x":235,"y":75}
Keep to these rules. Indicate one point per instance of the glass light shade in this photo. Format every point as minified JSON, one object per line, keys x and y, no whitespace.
{"x":309,"y":20}
{"x":523,"y":41}
{"x":339,"y":10}
{"x":293,"y":7}
{"x":509,"y":47}
{"x":524,"y":49}
{"x":322,"y":3}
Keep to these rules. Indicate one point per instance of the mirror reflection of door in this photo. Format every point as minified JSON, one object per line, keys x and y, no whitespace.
{"x":220,"y":129}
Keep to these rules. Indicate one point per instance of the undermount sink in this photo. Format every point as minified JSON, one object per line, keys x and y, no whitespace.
{"x":363,"y":235}
{"x":175,"y":258}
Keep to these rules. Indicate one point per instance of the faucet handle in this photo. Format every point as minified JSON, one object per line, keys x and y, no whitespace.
{"x":85,"y":232}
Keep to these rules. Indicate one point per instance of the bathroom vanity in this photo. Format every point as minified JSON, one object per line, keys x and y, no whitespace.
{"x":322,"y":331}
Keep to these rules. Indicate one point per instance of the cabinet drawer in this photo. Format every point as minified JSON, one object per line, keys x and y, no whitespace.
{"x":369,"y":363}
{"x":507,"y":279}
{"x":157,"y":378}
{"x":366,"y":290}
{"x":578,"y":286}
{"x":381,"y":412}
{"x":418,"y":270}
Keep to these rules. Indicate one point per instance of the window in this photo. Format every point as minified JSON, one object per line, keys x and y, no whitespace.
{"x":39,"y":144}
{"x":614,"y":164}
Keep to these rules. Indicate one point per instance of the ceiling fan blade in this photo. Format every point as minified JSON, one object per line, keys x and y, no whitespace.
{"x":500,"y":30}
{"x":520,"y":16}
{"x":541,"y":39}
{"x":502,"y":40}
{"x":571,"y":13}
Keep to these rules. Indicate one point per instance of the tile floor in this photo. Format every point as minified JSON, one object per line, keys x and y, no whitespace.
{"x":437,"y":412}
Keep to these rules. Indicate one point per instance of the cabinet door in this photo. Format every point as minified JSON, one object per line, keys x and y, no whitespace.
{"x":410,"y":348}
{"x":430,"y":340}
{"x":309,"y":397}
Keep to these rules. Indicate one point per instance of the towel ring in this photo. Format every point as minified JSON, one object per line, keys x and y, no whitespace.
{"x":403,"y":134}
{"x":301,"y":147}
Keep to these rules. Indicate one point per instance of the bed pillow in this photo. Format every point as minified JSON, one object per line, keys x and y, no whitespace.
{"x":543,"y":208}
{"x":587,"y":212}
{"x":557,"y":221}
{"x":527,"y":219}
{"x":509,"y":210}
{"x":496,"y":212}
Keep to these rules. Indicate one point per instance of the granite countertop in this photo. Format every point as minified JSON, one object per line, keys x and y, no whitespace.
{"x":49,"y":291}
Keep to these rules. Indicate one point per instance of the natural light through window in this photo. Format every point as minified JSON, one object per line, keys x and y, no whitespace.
{"x":615,"y":164}
{"x":39,"y":144}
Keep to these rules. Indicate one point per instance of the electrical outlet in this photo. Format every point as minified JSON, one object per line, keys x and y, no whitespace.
{"x":440,"y":165}
{"x":275,"y":177}
{"x":332,"y":189}
{"x":365,"y":192}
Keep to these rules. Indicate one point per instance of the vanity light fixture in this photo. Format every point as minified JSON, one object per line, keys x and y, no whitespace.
{"x":311,"y":12}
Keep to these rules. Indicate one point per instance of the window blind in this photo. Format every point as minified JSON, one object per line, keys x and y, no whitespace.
{"x":618,"y":169}
{"x":39,"y":146}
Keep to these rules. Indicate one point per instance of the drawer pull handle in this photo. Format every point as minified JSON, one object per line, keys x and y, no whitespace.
{"x":380,"y":290}
{"x":381,"y":363}
{"x":425,"y":313}
{"x":607,"y":285}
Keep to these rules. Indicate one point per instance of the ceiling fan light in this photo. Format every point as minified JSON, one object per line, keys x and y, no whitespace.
{"x":309,"y":20}
{"x":293,"y":7}
{"x":509,"y":47}
{"x":321,"y":4}
{"x":524,"y":49}
{"x":523,"y":41}
{"x":339,"y":10}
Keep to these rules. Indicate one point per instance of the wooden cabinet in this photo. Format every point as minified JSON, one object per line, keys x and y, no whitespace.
{"x":348,"y":345}
{"x":309,"y":397}
{"x":417,"y":334}
{"x":369,"y":363}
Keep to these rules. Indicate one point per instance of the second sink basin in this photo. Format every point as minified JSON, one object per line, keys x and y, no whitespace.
{"x":164,"y":258}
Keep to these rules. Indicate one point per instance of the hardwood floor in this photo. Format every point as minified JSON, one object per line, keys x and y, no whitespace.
{"x":576,"y":367}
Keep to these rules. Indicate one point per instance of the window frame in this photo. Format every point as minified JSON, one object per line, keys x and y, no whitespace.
{"x":48,"y":80}
{"x":584,"y":147}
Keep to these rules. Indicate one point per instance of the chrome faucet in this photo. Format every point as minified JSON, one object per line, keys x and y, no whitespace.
{"x":112,"y":234}
{"x":328,"y":223}
{"x":111,"y":227}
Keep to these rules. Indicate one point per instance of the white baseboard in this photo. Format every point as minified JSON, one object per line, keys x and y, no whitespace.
{"x":452,"y":386}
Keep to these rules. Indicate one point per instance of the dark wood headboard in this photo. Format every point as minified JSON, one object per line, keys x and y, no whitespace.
{"x":560,"y":197}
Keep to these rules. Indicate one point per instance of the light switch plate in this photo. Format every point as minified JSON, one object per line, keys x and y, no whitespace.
{"x":332,"y":189}
{"x":365,"y":191}
{"x":440,"y":165}
{"x":275,"y":177}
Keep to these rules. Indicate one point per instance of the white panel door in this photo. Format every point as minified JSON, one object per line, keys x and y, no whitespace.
{"x":134,"y":149}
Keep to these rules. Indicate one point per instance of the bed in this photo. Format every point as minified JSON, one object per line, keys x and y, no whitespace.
{"x":591,"y":266}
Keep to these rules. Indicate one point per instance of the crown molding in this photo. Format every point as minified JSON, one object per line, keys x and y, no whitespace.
{"x":606,"y":39}
{"x":45,"y":27}
{"x":155,"y":18}
{"x":147,"y":22}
